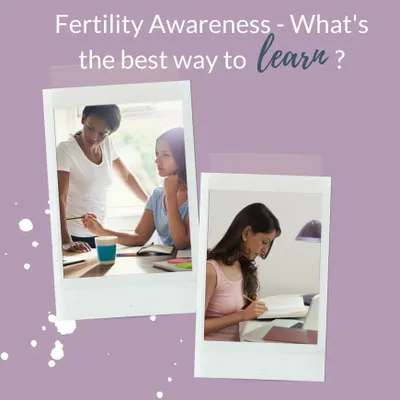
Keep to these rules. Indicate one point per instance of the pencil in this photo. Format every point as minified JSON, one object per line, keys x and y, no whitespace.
{"x":248,"y":298}
{"x":70,"y":219}
{"x":126,"y":255}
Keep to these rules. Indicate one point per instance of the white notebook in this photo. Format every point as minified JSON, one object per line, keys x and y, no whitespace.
{"x":284,"y":307}
{"x":74,"y":259}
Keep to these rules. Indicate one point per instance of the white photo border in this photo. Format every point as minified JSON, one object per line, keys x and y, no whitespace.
{"x":126,"y":295}
{"x":264,"y":361}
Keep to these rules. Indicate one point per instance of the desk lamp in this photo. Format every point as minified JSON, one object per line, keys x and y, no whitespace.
{"x":310,"y":232}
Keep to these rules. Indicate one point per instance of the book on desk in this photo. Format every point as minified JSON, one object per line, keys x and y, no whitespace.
{"x":291,"y":335}
{"x":71,"y":260}
{"x":150,"y":249}
{"x":182,"y":262}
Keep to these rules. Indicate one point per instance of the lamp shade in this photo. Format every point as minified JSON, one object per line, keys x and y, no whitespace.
{"x":311,"y":232}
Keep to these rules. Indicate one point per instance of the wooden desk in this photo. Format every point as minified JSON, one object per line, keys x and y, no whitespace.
{"x":123,"y":266}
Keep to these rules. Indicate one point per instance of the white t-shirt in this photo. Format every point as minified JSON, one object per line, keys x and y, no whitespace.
{"x":88,"y":182}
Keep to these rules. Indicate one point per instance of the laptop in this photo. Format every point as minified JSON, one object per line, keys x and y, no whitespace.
{"x":310,"y":323}
{"x":311,"y":320}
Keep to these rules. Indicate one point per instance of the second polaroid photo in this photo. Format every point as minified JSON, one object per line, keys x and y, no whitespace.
{"x":123,"y":199}
{"x":262,"y":277}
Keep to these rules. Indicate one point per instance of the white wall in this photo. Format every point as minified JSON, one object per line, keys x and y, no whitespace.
{"x":66,"y":123}
{"x":292,"y":266}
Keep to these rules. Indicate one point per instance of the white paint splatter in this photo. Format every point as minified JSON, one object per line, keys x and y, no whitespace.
{"x":5,"y":254}
{"x":47,"y":211}
{"x":25,"y":225}
{"x":52,"y":318}
{"x":43,"y":328}
{"x":33,"y":343}
{"x":169,"y":379}
{"x":35,"y":244}
{"x":153,"y":317}
{"x":181,"y":340}
{"x":52,"y":363}
{"x":4,"y":356}
{"x":63,"y":327}
{"x":57,"y":353}
{"x":160,"y":395}
{"x":174,"y":363}
{"x":27,"y":266}
{"x":16,"y":203}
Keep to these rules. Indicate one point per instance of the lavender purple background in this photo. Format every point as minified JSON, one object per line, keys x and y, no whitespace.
{"x":344,"y":118}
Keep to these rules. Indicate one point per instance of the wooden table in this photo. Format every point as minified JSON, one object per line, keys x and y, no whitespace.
{"x":123,"y":266}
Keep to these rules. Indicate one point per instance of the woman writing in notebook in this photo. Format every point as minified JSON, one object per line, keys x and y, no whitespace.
{"x":232,"y":273}
{"x":166,"y":210}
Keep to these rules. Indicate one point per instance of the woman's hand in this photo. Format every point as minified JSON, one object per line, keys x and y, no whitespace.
{"x":171,"y":185}
{"x":76,"y":247}
{"x":91,"y":223}
{"x":254,"y":310}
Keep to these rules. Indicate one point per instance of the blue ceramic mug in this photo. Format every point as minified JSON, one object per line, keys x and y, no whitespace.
{"x":106,"y":249}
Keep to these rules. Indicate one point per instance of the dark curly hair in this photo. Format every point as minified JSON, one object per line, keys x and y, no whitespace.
{"x":110,"y":113}
{"x":228,"y":249}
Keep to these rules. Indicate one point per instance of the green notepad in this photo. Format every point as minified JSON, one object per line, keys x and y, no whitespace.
{"x":187,"y":265}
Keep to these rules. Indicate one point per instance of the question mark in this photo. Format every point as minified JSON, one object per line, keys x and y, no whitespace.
{"x":341,"y":57}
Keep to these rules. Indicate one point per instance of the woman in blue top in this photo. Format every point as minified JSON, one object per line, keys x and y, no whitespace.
{"x":166,"y":210}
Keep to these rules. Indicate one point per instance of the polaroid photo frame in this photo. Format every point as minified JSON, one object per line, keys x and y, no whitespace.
{"x":254,"y":360}
{"x":123,"y":295}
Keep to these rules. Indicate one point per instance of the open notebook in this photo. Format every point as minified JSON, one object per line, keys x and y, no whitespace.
{"x":284,"y":307}
{"x":152,"y":249}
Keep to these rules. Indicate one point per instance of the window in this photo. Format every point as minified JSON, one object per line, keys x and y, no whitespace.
{"x":135,"y":140}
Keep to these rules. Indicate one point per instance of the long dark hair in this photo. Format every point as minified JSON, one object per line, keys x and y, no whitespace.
{"x":176,"y":139}
{"x":228,"y":249}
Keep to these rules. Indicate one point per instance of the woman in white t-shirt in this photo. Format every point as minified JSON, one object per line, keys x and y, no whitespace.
{"x":84,"y":166}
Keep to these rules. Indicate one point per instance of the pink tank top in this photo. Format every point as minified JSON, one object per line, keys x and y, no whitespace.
{"x":226,"y":299}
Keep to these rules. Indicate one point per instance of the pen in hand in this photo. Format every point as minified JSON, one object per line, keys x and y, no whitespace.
{"x":72,"y":218}
{"x":254,"y":310}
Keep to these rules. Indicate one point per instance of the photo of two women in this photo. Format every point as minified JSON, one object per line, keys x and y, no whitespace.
{"x":121,"y":172}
